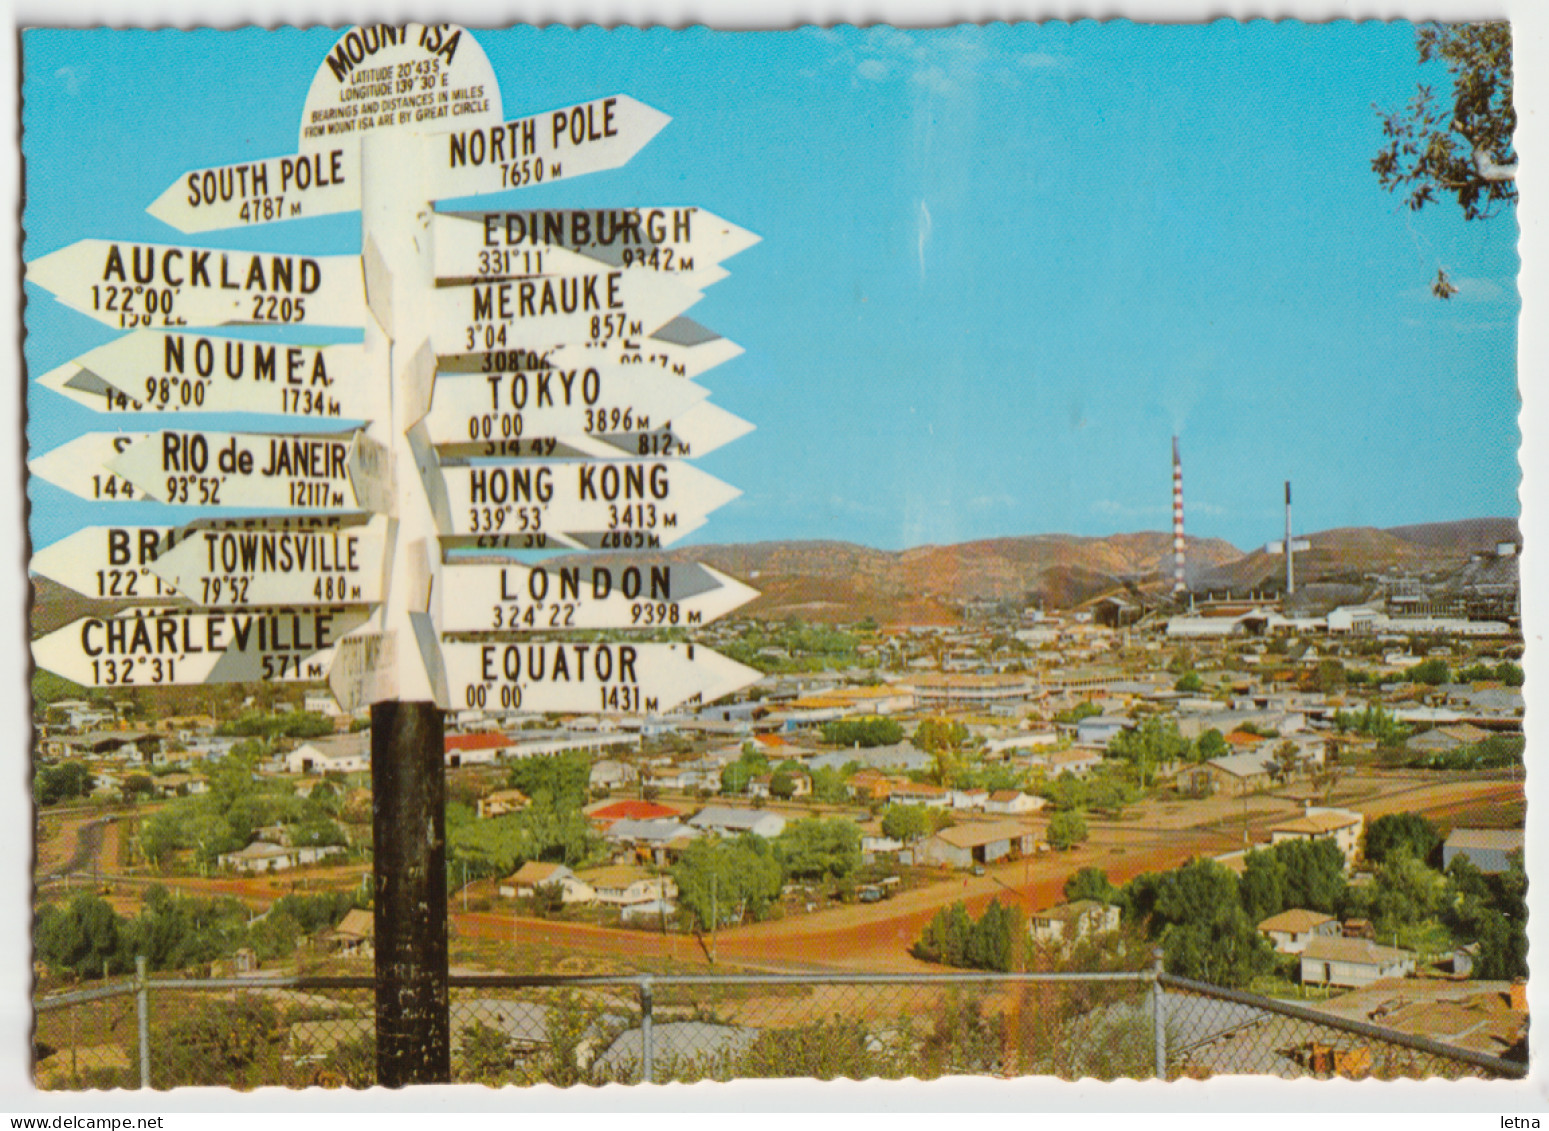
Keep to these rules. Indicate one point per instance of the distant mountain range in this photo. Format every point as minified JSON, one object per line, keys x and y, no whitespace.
{"x":841,"y":582}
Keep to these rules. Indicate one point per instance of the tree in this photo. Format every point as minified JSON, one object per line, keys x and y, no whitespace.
{"x":1462,"y":149}
{"x":1205,"y":933}
{"x":1190,"y":682}
{"x":65,"y":782}
{"x":1151,"y":744}
{"x":782,"y":785}
{"x":937,"y":735}
{"x":1067,"y":829}
{"x":735,"y":778}
{"x":817,"y":848}
{"x":1433,"y":672}
{"x":1211,"y":744}
{"x":1090,"y":883}
{"x":828,"y":786}
{"x":872,"y":731}
{"x":82,"y":937}
{"x":906,"y":822}
{"x":1400,"y":832}
{"x":727,"y":879}
{"x":563,"y":778}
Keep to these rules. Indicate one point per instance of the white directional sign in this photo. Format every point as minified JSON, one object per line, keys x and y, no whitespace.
{"x":688,"y":244}
{"x":261,"y":192}
{"x":592,"y":400}
{"x":661,"y":498}
{"x":154,"y":371}
{"x":243,"y":469}
{"x":234,"y":563}
{"x":557,"y":144}
{"x":575,"y":299}
{"x":507,"y":596}
{"x":652,"y":352}
{"x":108,"y":562}
{"x":145,"y":647}
{"x":699,"y":429}
{"x":131,"y":285}
{"x":80,"y":466}
{"x":419,"y":77}
{"x":591,"y":677}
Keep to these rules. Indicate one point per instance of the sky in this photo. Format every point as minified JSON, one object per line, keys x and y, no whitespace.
{"x":1000,"y":266}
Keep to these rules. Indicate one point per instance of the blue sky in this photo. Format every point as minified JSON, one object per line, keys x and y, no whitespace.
{"x":1000,"y":267}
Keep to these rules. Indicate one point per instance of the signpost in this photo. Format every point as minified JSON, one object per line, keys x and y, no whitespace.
{"x":523,"y":382}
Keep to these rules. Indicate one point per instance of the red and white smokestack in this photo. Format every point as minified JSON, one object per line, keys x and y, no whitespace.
{"x":1179,"y":585}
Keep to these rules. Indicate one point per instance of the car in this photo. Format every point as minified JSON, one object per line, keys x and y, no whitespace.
{"x":978,"y":869}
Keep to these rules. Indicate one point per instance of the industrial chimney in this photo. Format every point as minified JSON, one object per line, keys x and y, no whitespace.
{"x":1179,"y":585}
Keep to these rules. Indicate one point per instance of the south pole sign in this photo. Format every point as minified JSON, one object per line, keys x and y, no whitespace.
{"x":496,"y":380}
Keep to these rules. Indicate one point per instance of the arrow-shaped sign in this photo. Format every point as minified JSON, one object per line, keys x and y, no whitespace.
{"x":591,"y":400}
{"x":153,"y":371}
{"x":244,"y":469}
{"x":506,"y":596}
{"x":683,"y":243}
{"x":132,"y":285}
{"x":697,"y":430}
{"x":608,"y":678}
{"x":158,"y":648}
{"x":260,"y":192}
{"x":236,"y":563}
{"x":80,"y":466}
{"x":679,"y":358}
{"x":660,"y":499}
{"x":576,"y":300}
{"x":110,"y":563}
{"x":557,"y":144}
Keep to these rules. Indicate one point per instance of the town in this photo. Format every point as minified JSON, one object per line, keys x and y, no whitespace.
{"x":1309,"y":800}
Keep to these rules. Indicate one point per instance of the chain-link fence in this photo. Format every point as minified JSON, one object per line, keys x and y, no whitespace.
{"x":297,"y":1032}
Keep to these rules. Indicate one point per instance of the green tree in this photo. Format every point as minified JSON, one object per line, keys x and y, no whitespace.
{"x":782,"y":785}
{"x":735,"y":778}
{"x":906,"y":822}
{"x":737,"y":878}
{"x":1090,"y":883}
{"x":865,"y":732}
{"x":1189,"y":682}
{"x":1400,"y":832}
{"x":1151,"y":744}
{"x":1211,"y":744}
{"x":82,"y":937}
{"x":1204,"y":931}
{"x":1460,"y":147}
{"x":1067,"y":829}
{"x":563,"y":778}
{"x":65,"y":782}
{"x":828,"y":786}
{"x":1433,"y":672}
{"x":817,"y":848}
{"x":934,"y":736}
{"x":1083,"y":710}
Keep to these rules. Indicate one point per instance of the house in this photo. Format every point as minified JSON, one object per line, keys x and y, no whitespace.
{"x":501,"y":802}
{"x":526,"y":880}
{"x":343,"y":754}
{"x":759,"y":786}
{"x":180,"y":785}
{"x":869,"y":785}
{"x":1078,"y":763}
{"x":659,"y":841}
{"x":354,"y":936}
{"x":1290,"y":931}
{"x":1068,"y":923}
{"x":919,"y":793}
{"x":1099,"y":730}
{"x":1489,"y":850}
{"x":262,"y":856}
{"x":623,"y":884}
{"x":609,"y":774}
{"x":1342,"y":826}
{"x":726,"y":821}
{"x":968,"y":798}
{"x":1352,"y":962}
{"x":606,"y":813}
{"x":474,"y":749}
{"x":1013,"y":801}
{"x":1440,"y":740}
{"x":983,"y":842}
{"x":1231,"y":775}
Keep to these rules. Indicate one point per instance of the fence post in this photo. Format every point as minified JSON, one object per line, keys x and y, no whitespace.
{"x":1158,"y":1015}
{"x":142,"y":1006}
{"x":645,"y":1030}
